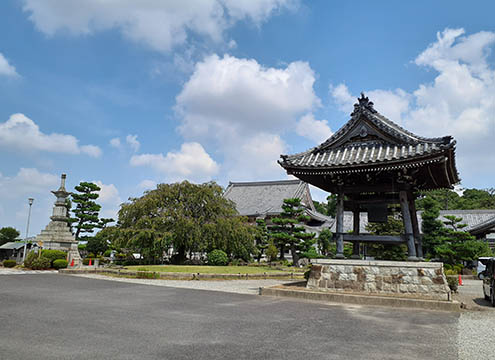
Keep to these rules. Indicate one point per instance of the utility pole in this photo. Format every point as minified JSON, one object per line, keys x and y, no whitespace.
{"x":27,"y":229}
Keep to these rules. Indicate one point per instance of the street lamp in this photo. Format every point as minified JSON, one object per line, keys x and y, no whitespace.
{"x":30,"y":200}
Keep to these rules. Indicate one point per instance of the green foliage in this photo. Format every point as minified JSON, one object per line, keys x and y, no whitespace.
{"x":432,"y":228}
{"x":60,"y":264}
{"x":99,"y":243}
{"x":40,"y":263}
{"x":261,"y":238}
{"x":107,"y":253}
{"x":86,"y":213}
{"x":288,"y":232}
{"x":147,"y":275}
{"x":81,"y":247}
{"x":325,"y":241}
{"x":271,"y":252}
{"x":8,"y":234}
{"x":307,"y":272}
{"x":53,"y":255}
{"x":311,"y":253}
{"x":393,"y":226}
{"x":329,"y":208}
{"x":446,"y":199}
{"x":181,"y":215}
{"x":217,"y":258}
{"x":453,"y":283}
{"x":9,"y":263}
{"x":233,"y":235}
{"x":30,"y":258}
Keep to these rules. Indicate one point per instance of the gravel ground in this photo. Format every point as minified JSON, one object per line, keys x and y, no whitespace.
{"x":231,"y":286}
{"x":475,"y":326}
{"x":13,"y":271}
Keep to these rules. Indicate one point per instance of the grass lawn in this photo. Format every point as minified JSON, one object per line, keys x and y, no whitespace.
{"x":205,"y":269}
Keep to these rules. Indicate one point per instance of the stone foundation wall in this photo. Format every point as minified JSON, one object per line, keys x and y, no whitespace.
{"x":407,"y":279}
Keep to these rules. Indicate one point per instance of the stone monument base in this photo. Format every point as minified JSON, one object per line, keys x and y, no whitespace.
{"x":424,"y":280}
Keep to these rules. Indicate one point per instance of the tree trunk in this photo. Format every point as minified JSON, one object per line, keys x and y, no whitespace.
{"x":282,"y":252}
{"x":295,"y":255}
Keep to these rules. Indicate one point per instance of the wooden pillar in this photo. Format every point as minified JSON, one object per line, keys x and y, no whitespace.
{"x":414,"y":219}
{"x":355,"y":231}
{"x":340,"y":226}
{"x":406,"y":215}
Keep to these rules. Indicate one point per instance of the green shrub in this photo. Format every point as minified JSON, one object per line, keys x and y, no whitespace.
{"x":218,"y":258}
{"x":41,"y":263}
{"x":450,"y":272}
{"x":53,"y":255}
{"x":447,"y":267}
{"x":31,"y":256}
{"x":107,"y":253}
{"x":453,"y":283}
{"x":458,"y":268}
{"x":9,"y":263}
{"x":60,"y":264}
{"x":310,"y":254}
{"x":147,"y":275}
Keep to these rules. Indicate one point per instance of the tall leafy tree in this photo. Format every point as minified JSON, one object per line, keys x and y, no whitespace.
{"x":86,"y":212}
{"x":8,"y":234}
{"x":287,"y":229}
{"x":262,"y":238}
{"x":181,"y":213}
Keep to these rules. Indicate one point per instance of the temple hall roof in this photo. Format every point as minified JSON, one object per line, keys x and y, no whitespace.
{"x":266,"y":197}
{"x":371,"y":142}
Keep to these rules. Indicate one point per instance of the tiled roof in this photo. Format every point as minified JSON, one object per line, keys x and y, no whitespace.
{"x":363,"y":154}
{"x":12,"y":246}
{"x":369,"y":139}
{"x":266,"y":197}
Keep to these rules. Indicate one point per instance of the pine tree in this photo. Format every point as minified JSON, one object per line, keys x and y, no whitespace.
{"x":261,"y":238}
{"x":87,"y":210}
{"x":288,"y":232}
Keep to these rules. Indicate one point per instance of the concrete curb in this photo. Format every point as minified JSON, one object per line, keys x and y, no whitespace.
{"x":182,"y":276}
{"x":361,"y":299}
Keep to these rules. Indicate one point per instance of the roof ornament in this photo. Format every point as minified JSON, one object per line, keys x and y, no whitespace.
{"x":363,"y":103}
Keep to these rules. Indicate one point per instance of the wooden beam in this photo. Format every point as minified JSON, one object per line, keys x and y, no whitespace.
{"x":340,"y":226}
{"x":385,"y":239}
{"x":414,"y":219}
{"x":355,"y":231}
{"x":406,"y":215}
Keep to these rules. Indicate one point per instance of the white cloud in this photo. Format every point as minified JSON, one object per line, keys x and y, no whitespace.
{"x":147,"y":184}
{"x":192,"y":162}
{"x":27,"y":182}
{"x":342,"y":97}
{"x":109,"y":200}
{"x":5,"y":68}
{"x":228,"y":95}
{"x":256,"y":158}
{"x":159,"y":24}
{"x":21,"y":133}
{"x":115,"y":142}
{"x":241,"y":109}
{"x":458,"y":102}
{"x":315,"y":130}
{"x":133,"y":142}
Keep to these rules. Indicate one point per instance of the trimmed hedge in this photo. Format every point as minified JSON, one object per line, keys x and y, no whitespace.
{"x":60,"y":264}
{"x":9,"y":263}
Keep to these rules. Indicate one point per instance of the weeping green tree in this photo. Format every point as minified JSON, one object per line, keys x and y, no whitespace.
{"x":287,"y":229}
{"x":187,"y":216}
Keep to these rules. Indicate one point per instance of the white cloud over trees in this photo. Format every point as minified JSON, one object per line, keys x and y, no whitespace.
{"x":191,"y":162}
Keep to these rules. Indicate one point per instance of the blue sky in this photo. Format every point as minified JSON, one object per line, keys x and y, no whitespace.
{"x":133,"y":93}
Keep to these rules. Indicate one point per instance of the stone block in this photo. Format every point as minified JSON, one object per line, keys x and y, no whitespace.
{"x":370,"y":278}
{"x":403,"y":288}
{"x":352,"y":277}
{"x":412,"y":288}
{"x":426,"y":281}
{"x":370,"y":287}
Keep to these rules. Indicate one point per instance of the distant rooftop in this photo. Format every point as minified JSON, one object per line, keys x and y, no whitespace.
{"x":266,"y":197}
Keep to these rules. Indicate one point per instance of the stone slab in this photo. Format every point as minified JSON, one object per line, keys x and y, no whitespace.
{"x":304,"y":294}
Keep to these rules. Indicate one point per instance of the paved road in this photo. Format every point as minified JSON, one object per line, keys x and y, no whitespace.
{"x":65,"y":317}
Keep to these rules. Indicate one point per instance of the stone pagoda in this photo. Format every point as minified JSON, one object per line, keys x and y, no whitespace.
{"x":57,"y":234}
